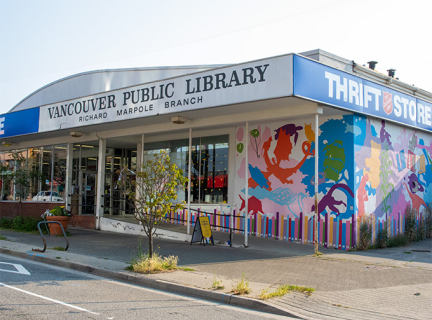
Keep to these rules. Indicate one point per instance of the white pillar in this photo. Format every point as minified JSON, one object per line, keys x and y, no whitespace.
{"x":52,"y":170}
{"x":246,"y":185}
{"x":316,"y":182}
{"x":69,"y":175}
{"x":138,"y":157}
{"x":189,"y":181}
{"x":142,"y":148}
{"x":80,"y":182}
{"x":100,"y":181}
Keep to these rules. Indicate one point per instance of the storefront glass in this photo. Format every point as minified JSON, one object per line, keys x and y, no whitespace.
{"x":209,"y":167}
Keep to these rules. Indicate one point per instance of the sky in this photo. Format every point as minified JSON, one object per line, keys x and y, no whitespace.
{"x":42,"y":41}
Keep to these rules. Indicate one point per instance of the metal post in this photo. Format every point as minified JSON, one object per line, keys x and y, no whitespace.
{"x":100,"y":181}
{"x":69,"y":165}
{"x":2,"y":155}
{"x":26,"y":192}
{"x":189,"y":181}
{"x":246,"y":186}
{"x":316,"y":184}
{"x":80,"y":182}
{"x":52,"y":170}
{"x":231,"y":210}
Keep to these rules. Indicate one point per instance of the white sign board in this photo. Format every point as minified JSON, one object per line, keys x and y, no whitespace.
{"x":259,"y":80}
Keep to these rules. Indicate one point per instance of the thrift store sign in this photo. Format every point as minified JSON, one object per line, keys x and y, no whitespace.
{"x":321,"y":83}
{"x":260,"y":80}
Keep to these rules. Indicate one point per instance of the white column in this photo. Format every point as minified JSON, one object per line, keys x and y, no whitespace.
{"x":2,"y":155}
{"x":138,"y":157}
{"x":142,"y":148}
{"x":80,"y":182}
{"x":100,"y":181}
{"x":52,"y":170}
{"x":189,"y":181}
{"x":69,"y":175}
{"x":246,"y":185}
{"x":316,"y":183}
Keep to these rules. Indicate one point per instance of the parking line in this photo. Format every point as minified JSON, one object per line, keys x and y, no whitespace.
{"x":49,"y":299}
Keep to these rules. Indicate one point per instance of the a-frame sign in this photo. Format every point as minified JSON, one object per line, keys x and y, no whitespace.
{"x":202,"y":231}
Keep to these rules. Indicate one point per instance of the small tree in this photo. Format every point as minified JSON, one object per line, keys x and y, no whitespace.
{"x":154,"y":190}
{"x":21,"y":176}
{"x":4,"y":173}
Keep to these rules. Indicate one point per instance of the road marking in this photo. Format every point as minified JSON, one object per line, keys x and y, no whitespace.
{"x":20,"y":269}
{"x":49,"y":299}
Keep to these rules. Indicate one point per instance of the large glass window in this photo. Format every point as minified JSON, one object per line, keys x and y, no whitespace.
{"x":59,"y":179}
{"x":209,"y":167}
{"x":35,"y":164}
{"x":45,"y":169}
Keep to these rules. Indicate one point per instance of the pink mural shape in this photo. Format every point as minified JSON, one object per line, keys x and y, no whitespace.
{"x":240,"y":133}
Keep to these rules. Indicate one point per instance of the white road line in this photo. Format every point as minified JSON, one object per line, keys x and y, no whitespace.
{"x":49,"y":299}
{"x":19,"y":268}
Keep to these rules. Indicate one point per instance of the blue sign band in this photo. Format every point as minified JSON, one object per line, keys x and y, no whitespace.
{"x":321,"y":83}
{"x":19,"y":123}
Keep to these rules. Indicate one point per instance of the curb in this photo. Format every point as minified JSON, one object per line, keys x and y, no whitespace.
{"x":132,"y":278}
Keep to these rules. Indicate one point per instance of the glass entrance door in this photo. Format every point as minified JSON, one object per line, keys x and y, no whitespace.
{"x":88,"y":192}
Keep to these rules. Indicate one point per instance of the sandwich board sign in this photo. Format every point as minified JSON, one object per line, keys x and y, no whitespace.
{"x":202,"y":231}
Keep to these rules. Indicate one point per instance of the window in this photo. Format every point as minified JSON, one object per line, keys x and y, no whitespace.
{"x":209,"y":168}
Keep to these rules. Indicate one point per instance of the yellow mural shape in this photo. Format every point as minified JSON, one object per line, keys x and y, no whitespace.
{"x":374,"y":164}
{"x":422,"y":162}
{"x":310,"y":134}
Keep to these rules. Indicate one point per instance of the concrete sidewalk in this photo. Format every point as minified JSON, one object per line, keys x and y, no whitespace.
{"x":391,"y":283}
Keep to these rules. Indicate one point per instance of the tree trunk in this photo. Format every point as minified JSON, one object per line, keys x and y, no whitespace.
{"x":150,"y":246}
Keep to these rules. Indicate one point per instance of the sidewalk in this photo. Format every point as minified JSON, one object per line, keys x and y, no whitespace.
{"x":392,"y":283}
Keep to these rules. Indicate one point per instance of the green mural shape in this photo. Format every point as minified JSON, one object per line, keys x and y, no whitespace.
{"x":240,"y":147}
{"x":386,"y":187}
{"x":254,"y":133}
{"x":254,"y":143}
{"x":334,"y":160}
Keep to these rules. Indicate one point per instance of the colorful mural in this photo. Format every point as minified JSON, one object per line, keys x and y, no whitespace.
{"x":393,"y":169}
{"x":366,"y":167}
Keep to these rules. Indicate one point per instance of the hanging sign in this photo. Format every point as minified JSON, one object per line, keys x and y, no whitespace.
{"x":202,"y":231}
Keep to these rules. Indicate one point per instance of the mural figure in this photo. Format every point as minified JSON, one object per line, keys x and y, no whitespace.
{"x":282,"y":152}
{"x":328,"y":201}
{"x":385,"y":136}
{"x":412,"y":188}
{"x":280,"y":196}
{"x":254,"y":205}
{"x":362,"y":195}
{"x":334,"y":160}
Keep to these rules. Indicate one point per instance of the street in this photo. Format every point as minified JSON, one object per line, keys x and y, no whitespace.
{"x":32,"y":290}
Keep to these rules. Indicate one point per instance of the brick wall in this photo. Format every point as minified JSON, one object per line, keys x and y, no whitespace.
{"x":11,"y":209}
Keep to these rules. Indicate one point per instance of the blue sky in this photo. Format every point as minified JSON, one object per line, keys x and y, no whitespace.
{"x":45,"y":40}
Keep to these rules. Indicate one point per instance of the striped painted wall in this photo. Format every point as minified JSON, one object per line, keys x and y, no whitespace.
{"x":332,"y":232}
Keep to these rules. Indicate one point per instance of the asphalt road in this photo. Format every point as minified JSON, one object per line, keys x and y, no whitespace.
{"x":32,"y":290}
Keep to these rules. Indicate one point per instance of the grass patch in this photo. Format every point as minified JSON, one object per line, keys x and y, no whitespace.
{"x":59,"y":248}
{"x":217,"y":284}
{"x":26,"y":224}
{"x":318,"y":254}
{"x":58,"y":258}
{"x":242,"y":287}
{"x":407,"y":252}
{"x":185,"y":269}
{"x":155,"y":264}
{"x":2,"y":238}
{"x":282,"y":290}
